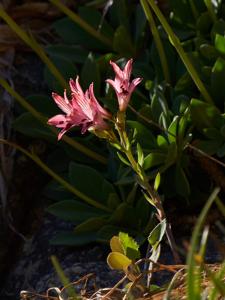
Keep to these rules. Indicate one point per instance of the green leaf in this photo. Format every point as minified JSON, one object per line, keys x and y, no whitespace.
{"x":118,"y":261}
{"x":73,"y":210}
{"x":123,"y":159}
{"x":182,"y":12}
{"x":212,"y":133}
{"x":208,"y":51}
{"x":107,"y":232}
{"x":220,"y":43}
{"x":210,"y":147}
{"x":181,"y":182}
{"x":55,"y":191}
{"x":204,"y":115}
{"x":172,"y":130}
{"x":217,"y":82}
{"x":122,"y":42}
{"x":90,"y":73}
{"x":157,"y":234}
{"x":218,"y":28}
{"x":67,"y":69}
{"x":162,"y":141}
{"x":30,"y":126}
{"x":154,"y":159}
{"x":115,"y":244}
{"x":72,"y":239}
{"x":44,"y":104}
{"x":140,"y":155}
{"x":144,"y":135}
{"x":204,"y":23}
{"x":72,"y":33}
{"x":75,"y":54}
{"x":124,"y":215}
{"x":90,"y":225}
{"x":157,"y":181}
{"x":113,"y":201}
{"x":171,"y":155}
{"x":129,"y":245}
{"x":89,"y":181}
{"x":183,"y":123}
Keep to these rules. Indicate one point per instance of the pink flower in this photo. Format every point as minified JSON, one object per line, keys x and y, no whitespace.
{"x":122,"y":85}
{"x":82,"y":110}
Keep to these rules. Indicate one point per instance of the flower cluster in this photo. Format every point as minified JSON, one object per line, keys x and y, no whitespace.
{"x":84,"y":110}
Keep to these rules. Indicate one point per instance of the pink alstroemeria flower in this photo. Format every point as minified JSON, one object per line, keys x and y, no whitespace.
{"x":122,"y":85}
{"x":82,"y":110}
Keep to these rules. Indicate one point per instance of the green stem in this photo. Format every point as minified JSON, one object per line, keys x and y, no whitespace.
{"x":157,"y":39}
{"x":78,"y":20}
{"x":55,"y":176}
{"x":177,"y":44}
{"x":30,"y":41}
{"x":144,"y":181}
{"x":43,"y":120}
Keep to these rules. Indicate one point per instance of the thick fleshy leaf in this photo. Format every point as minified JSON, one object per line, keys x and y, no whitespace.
{"x":73,"y":210}
{"x":118,"y":261}
{"x":90,"y":182}
{"x":115,"y":245}
{"x":72,"y":239}
{"x":205,"y":115}
{"x":153,"y":160}
{"x":30,"y":126}
{"x":91,"y":225}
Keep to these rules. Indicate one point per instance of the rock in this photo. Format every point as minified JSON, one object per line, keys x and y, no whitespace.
{"x":34,"y":271}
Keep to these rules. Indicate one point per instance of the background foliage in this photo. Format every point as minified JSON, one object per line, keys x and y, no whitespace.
{"x":168,"y":115}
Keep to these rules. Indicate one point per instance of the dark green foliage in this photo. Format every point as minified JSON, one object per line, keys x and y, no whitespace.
{"x":169,"y":115}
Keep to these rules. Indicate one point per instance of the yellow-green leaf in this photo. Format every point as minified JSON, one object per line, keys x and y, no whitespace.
{"x":115,"y":245}
{"x":118,"y":261}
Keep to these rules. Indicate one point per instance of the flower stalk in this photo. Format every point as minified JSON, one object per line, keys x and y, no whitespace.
{"x":152,"y":195}
{"x":84,"y":110}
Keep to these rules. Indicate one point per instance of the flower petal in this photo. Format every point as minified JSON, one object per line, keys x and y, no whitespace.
{"x":62,"y":103}
{"x":59,"y":121}
{"x":95,"y":102}
{"x":116,"y":69}
{"x":128,"y":68}
{"x":133,"y":84}
{"x":115,"y":84}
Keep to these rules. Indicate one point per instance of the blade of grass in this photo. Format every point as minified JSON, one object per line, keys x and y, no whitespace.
{"x":43,"y":120}
{"x":218,"y":284}
{"x":55,"y":176}
{"x":63,"y":278}
{"x":219,"y":276}
{"x":78,"y":20}
{"x":220,"y":206}
{"x":157,"y":39}
{"x":177,"y":44}
{"x":191,"y":269}
{"x":30,"y":41}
